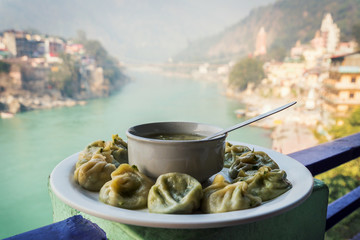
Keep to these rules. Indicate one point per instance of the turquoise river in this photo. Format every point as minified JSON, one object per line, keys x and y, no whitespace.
{"x":33,"y":143}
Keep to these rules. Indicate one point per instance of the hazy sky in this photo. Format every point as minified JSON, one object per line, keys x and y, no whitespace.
{"x":149,"y":30}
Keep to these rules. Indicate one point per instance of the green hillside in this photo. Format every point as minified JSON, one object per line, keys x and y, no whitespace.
{"x":285,"y":22}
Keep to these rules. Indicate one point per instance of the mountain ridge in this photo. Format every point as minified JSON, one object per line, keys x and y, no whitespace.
{"x":145,"y":30}
{"x":285,"y":22}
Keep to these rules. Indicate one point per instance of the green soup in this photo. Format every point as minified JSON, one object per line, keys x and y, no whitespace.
{"x":175,"y":136}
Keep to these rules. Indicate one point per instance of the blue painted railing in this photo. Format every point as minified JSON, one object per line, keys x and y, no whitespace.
{"x":327,"y":156}
{"x":75,"y":227}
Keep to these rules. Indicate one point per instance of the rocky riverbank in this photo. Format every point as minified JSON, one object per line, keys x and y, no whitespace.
{"x":10,"y":105}
{"x":26,"y":88}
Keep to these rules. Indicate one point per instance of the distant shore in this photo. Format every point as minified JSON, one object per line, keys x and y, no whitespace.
{"x":291,"y":128}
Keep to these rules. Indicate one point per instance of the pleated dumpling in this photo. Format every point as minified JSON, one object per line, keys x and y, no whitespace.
{"x":222,"y":196}
{"x":268,"y":183}
{"x":118,"y":149}
{"x":91,"y":149}
{"x":231,"y":151}
{"x":248,"y":164}
{"x":115,"y":151}
{"x":93,"y":174}
{"x":175,"y":193}
{"x":128,"y":188}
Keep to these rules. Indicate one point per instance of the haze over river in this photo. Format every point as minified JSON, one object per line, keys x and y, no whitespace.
{"x":33,"y":143}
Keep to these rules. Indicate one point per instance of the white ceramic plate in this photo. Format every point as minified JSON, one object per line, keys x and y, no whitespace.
{"x":63,"y":185}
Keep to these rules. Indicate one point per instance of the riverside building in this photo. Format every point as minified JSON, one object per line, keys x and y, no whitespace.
{"x":341,"y":91}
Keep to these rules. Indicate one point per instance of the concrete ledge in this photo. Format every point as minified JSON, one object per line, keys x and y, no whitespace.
{"x":306,"y":221}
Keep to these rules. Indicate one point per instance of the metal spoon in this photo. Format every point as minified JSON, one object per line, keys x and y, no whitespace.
{"x":251,"y":120}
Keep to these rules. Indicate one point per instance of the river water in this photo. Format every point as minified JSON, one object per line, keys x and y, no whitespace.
{"x":33,"y":143}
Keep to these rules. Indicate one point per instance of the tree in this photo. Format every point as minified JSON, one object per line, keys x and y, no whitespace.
{"x":343,"y":179}
{"x":112,"y":70}
{"x":277,"y":53}
{"x":350,"y":125}
{"x":4,"y":67}
{"x":65,"y":76}
{"x":356,"y":33}
{"x":247,"y":70}
{"x":96,"y":50}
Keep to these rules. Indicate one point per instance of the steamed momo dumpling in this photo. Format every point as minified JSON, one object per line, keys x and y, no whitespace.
{"x":231,"y":151}
{"x":128,"y":188}
{"x":91,"y":149}
{"x":115,"y":151}
{"x":175,"y":193}
{"x":93,"y":174}
{"x":97,"y":147}
{"x":118,"y":149}
{"x":268,"y":183}
{"x":248,"y":164}
{"x":222,"y":196}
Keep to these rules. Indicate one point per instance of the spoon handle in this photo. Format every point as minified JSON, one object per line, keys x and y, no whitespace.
{"x":251,"y":120}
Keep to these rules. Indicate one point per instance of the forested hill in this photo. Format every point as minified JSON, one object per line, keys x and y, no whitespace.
{"x":285,"y":22}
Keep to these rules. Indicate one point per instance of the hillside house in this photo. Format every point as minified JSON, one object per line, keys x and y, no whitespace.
{"x":341,"y":91}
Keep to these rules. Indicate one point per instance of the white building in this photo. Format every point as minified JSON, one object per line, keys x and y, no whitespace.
{"x":260,"y":47}
{"x":330,"y":33}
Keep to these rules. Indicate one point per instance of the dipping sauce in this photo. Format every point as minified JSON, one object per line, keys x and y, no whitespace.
{"x":175,"y":136}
